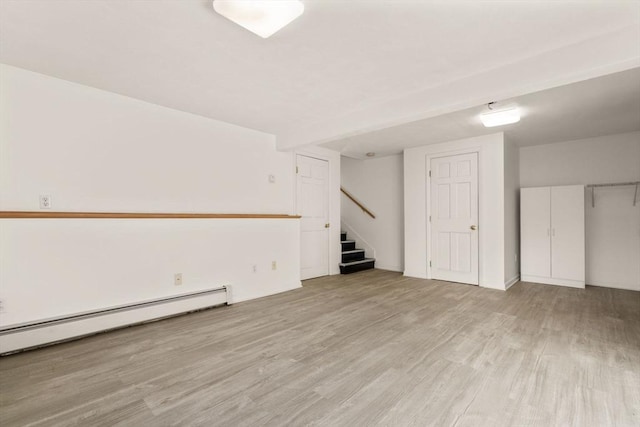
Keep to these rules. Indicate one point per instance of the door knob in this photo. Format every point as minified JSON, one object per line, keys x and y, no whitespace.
{"x":326,"y":225}
{"x":473,"y":227}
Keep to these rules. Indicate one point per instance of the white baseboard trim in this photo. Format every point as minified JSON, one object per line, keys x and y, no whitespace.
{"x":509,"y":283}
{"x":395,"y":268}
{"x":499,"y":287}
{"x":273,"y":290}
{"x":416,"y":275}
{"x":556,"y":282}
{"x":625,"y":287}
{"x":48,"y":331}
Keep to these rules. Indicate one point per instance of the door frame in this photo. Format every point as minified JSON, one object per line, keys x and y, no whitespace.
{"x":331,"y":165}
{"x":428,"y":158}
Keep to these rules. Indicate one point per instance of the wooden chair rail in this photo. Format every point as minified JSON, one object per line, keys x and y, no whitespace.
{"x":137,"y":215}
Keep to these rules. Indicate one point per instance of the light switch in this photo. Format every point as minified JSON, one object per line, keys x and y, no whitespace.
{"x":272,"y":178}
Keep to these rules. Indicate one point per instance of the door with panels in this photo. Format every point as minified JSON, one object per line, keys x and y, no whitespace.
{"x":312,"y":188}
{"x":453,"y":218}
{"x":552,"y":235}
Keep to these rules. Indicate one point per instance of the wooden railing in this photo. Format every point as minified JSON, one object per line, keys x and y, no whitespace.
{"x":136,"y":215}
{"x":360,"y":205}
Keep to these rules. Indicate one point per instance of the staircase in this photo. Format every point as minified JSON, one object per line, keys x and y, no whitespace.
{"x":353,"y":259}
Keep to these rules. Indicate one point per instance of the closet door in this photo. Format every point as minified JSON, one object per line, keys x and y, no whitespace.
{"x":535,"y":227}
{"x":567,"y":233}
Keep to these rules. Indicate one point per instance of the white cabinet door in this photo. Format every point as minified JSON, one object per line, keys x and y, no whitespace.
{"x":567,"y":233}
{"x":535,"y":229}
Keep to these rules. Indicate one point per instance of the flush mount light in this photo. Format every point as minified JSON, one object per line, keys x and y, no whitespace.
{"x":500,"y":117}
{"x":262,"y":17}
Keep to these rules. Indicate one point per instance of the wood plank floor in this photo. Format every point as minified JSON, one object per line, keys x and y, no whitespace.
{"x":372,"y":348}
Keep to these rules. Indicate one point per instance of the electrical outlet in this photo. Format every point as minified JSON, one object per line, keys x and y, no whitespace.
{"x":45,"y":201}
{"x":274,"y":265}
{"x":255,"y":268}
{"x":177,"y":279}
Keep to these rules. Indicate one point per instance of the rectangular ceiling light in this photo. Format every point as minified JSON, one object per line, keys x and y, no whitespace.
{"x":499,"y":118}
{"x":262,"y":17}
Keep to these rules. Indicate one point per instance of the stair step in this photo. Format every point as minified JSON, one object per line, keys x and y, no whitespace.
{"x":345,"y":264}
{"x":354,"y":266}
{"x":348,"y":245}
{"x":353,"y":255}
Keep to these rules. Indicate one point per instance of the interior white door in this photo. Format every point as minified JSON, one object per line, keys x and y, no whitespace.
{"x":313,"y":206}
{"x":567,"y":232}
{"x":535,"y":231}
{"x":454,"y":218}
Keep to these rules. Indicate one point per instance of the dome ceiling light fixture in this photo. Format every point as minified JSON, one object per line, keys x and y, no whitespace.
{"x":500,"y":117}
{"x":261,"y":17}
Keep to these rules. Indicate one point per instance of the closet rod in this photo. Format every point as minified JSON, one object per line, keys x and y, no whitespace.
{"x":614,"y":184}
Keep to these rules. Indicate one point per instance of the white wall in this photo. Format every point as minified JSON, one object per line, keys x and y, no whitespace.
{"x":378,"y":184}
{"x":57,"y":267}
{"x":613,"y":226}
{"x":93,"y":150}
{"x":511,"y":213}
{"x":491,"y":212}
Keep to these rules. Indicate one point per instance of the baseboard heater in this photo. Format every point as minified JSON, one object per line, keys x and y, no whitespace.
{"x":29,"y":335}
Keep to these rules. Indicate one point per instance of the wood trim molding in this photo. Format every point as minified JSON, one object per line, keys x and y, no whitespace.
{"x":136,"y":215}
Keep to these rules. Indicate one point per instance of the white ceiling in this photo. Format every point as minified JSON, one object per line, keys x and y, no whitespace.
{"x":343,"y":68}
{"x":600,"y":106}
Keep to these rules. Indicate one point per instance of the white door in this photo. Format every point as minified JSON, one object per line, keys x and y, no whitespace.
{"x":535,"y":231}
{"x":567,"y":232}
{"x":454,"y":218}
{"x":313,"y":207}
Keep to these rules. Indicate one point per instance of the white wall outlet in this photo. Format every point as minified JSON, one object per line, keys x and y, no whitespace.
{"x":177,"y":279}
{"x":272,"y":178}
{"x":45,"y":201}
{"x":274,"y":265}
{"x":255,"y":268}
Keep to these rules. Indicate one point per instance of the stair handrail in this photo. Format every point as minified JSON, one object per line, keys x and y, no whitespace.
{"x":360,"y":205}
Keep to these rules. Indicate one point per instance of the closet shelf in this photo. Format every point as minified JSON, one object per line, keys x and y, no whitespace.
{"x":613,"y":184}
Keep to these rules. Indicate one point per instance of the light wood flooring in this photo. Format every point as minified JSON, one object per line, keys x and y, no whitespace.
{"x":372,"y":348}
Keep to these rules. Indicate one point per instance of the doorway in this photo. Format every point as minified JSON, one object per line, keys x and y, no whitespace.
{"x":453,"y":218}
{"x":312,"y":188}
